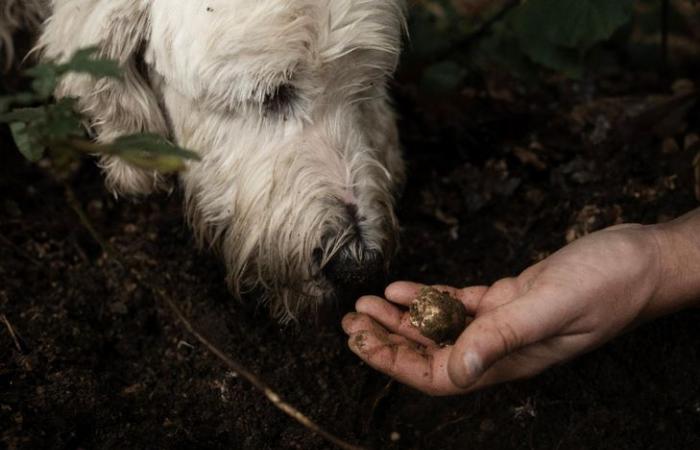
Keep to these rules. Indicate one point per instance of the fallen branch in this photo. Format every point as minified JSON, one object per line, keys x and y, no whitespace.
{"x":271,"y":395}
{"x":249,"y":376}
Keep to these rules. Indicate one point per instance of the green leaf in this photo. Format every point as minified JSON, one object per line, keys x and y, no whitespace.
{"x":22,"y":115}
{"x":21,"y":98}
{"x":44,"y":79}
{"x":58,"y":125}
{"x":152,"y":143}
{"x":568,"y":62}
{"x":85,"y":61}
{"x":445,"y":76}
{"x":160,"y":163}
{"x":5,"y":103}
{"x":47,"y":76}
{"x":61,"y":122}
{"x":153,"y":152}
{"x":29,"y":148}
{"x":574,"y":24}
{"x":500,"y":51}
{"x":558,"y":33}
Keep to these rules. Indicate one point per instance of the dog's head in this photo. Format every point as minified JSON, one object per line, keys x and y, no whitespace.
{"x":286,"y":102}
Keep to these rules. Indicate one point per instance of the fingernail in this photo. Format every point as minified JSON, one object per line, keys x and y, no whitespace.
{"x":473,"y":365}
{"x":347,"y":321}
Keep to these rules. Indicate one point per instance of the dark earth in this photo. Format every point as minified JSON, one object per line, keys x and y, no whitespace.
{"x":500,"y":177}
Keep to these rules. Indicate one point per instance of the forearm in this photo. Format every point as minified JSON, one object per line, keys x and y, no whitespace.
{"x":679,"y":257}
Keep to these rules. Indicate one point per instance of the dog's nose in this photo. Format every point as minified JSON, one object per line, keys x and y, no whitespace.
{"x":356,"y":271}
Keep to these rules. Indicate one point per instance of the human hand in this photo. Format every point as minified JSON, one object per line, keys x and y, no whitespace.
{"x":570,"y":303}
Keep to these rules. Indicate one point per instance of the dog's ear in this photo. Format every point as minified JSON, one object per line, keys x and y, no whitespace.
{"x":120,"y":29}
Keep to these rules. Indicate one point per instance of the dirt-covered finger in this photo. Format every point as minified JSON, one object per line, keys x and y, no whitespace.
{"x":392,"y":318}
{"x":403,"y":292}
{"x":425,"y":371}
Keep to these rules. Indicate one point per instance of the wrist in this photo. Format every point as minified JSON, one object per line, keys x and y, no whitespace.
{"x":678,"y":249}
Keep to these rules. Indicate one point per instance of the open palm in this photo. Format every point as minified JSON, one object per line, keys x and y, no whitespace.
{"x":573,"y":301}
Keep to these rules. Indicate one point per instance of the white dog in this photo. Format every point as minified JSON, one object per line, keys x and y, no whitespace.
{"x":285,"y":101}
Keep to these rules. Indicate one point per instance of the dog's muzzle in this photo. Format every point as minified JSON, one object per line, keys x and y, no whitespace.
{"x":356,"y":268}
{"x":354,"y":276}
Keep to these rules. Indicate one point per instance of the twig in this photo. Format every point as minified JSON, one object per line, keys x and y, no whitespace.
{"x":271,"y":395}
{"x":260,"y":385}
{"x":10,"y":329}
{"x":449,"y":423}
{"x":85,"y":221}
{"x":20,"y":251}
{"x":384,"y":393}
{"x":440,"y":428}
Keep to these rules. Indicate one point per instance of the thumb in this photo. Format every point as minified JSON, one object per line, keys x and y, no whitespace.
{"x":500,"y":332}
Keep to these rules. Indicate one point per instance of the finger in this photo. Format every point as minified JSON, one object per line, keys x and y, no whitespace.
{"x":503,"y":331}
{"x":513,"y":367}
{"x":500,"y":293}
{"x":404,"y":292}
{"x":391,"y":318}
{"x":357,"y":323}
{"x":621,"y":226}
{"x":354,"y":323}
{"x":423,"y":370}
{"x":470,"y":297}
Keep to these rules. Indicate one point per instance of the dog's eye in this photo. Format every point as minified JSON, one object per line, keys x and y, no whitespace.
{"x":280,"y":100}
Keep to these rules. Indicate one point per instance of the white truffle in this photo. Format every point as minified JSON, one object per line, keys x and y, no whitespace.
{"x":438,"y":316}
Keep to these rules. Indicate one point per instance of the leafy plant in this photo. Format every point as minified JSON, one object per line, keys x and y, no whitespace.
{"x":559,"y":33}
{"x":521,"y":36}
{"x":37,"y":123}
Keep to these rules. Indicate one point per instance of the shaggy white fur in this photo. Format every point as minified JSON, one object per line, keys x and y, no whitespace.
{"x":18,"y":15}
{"x":286,"y":102}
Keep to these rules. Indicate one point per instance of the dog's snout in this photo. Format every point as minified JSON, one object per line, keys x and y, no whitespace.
{"x":356,"y":271}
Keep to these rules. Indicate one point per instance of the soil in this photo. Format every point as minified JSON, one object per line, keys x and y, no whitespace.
{"x":500,"y":177}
